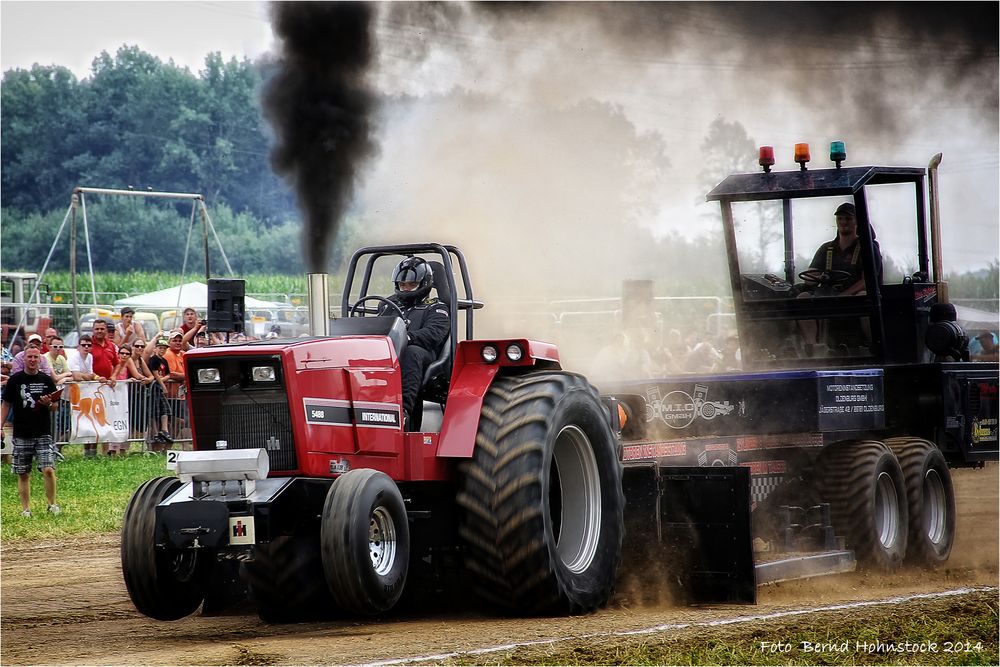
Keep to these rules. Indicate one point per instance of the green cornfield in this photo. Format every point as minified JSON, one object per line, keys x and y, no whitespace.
{"x":268,"y":286}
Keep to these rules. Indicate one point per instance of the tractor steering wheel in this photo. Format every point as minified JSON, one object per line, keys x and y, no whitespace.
{"x":831,"y":278}
{"x":358,"y":311}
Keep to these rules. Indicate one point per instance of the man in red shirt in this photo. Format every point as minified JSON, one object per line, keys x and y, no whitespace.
{"x":105,"y":352}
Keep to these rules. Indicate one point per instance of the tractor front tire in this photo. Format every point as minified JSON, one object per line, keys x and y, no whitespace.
{"x":862,"y":481}
{"x":930,"y":496}
{"x":165,"y":584}
{"x":365,"y":541}
{"x":542,"y":497}
{"x":285,"y":580}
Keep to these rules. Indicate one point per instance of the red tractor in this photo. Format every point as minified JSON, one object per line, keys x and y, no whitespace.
{"x":305,"y":489}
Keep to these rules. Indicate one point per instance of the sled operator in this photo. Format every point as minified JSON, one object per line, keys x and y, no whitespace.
{"x":844,"y":253}
{"x":841,"y":255}
{"x":427,"y":325}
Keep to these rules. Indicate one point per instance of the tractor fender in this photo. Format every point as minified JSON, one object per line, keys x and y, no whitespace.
{"x":471,"y":377}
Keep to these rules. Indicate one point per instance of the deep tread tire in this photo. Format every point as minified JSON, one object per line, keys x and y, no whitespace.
{"x":930,"y":496}
{"x":285,"y":579}
{"x":542,"y":497}
{"x":163,"y":584}
{"x":863,"y":482}
{"x":365,"y":541}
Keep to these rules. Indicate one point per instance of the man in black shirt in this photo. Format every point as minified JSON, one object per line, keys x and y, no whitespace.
{"x":29,"y":397}
{"x":427,"y":325}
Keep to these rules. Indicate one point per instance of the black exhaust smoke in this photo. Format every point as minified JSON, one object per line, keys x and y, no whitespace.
{"x":319,"y":106}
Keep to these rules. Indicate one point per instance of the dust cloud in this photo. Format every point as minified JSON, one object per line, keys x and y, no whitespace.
{"x":560,"y":145}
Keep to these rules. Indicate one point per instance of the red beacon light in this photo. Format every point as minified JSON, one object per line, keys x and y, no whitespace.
{"x":766,"y":158}
{"x":802,"y":155}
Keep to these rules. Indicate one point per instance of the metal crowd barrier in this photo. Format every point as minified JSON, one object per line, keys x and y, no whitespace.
{"x":140,"y":403}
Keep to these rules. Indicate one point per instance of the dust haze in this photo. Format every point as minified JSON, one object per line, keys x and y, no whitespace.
{"x":560,"y":144}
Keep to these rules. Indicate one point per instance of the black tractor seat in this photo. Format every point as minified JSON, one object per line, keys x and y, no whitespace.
{"x":383,"y":325}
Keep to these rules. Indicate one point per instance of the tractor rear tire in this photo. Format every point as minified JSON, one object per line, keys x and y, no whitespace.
{"x":285,"y":580}
{"x":930,"y":495}
{"x":165,"y":584}
{"x":542,"y":497}
{"x":862,"y":481}
{"x":365,"y":541}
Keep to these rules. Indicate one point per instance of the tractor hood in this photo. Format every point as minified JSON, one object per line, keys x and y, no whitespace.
{"x":345,"y":351}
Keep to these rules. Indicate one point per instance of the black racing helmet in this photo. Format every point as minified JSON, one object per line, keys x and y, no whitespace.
{"x":413,"y":270}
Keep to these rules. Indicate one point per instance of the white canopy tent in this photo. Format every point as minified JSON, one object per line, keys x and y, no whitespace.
{"x":193,"y":294}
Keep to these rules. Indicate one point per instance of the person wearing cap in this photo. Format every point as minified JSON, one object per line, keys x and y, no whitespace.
{"x":174,"y":357}
{"x":843,"y":253}
{"x":128,"y":332}
{"x":990,"y":351}
{"x":17,"y":365}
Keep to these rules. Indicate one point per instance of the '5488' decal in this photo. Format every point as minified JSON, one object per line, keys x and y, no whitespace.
{"x":360,"y":414}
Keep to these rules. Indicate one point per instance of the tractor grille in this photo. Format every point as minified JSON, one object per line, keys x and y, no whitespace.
{"x":260,"y":420}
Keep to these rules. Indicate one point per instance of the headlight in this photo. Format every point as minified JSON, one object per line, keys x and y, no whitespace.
{"x":489,"y":354}
{"x":209,"y":376}
{"x":263,"y":374}
{"x":514,"y":352}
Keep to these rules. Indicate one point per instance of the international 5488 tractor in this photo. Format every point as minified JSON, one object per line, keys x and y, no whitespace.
{"x":302,"y":471}
{"x":523,"y":481}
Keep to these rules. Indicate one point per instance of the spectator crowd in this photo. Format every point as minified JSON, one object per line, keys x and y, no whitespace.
{"x":114,"y":352}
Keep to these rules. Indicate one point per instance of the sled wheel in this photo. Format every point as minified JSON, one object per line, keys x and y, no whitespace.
{"x":165,"y":584}
{"x":365,"y":541}
{"x":285,"y":579}
{"x":862,"y":481}
{"x":542,"y":497}
{"x":930,"y":497}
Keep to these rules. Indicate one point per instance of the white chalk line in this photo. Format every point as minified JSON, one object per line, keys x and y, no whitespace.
{"x":682,"y":626}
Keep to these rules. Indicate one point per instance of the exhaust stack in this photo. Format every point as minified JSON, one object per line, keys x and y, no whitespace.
{"x":937,"y":264}
{"x":319,"y":303}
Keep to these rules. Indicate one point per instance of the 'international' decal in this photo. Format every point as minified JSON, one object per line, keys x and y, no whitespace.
{"x":363,"y":414}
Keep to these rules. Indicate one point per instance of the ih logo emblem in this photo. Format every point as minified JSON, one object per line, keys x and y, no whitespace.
{"x":273,"y":444}
{"x":241,"y":530}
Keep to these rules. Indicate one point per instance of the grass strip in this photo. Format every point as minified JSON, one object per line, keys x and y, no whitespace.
{"x":92,"y":494}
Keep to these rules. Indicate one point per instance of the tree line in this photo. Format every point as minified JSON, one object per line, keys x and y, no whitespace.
{"x":137,"y":122}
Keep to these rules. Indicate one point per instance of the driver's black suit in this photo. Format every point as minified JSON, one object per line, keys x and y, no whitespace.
{"x":427,"y":327}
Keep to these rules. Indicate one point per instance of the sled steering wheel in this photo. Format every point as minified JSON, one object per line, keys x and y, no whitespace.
{"x":831,"y":278}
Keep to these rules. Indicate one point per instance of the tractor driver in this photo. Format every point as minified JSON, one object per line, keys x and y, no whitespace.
{"x":427,"y":325}
{"x":842,"y":254}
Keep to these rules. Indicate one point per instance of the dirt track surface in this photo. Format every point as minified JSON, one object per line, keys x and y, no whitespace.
{"x":65,"y":603}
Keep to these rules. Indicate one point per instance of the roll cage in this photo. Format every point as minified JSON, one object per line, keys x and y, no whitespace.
{"x":448,"y":255}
